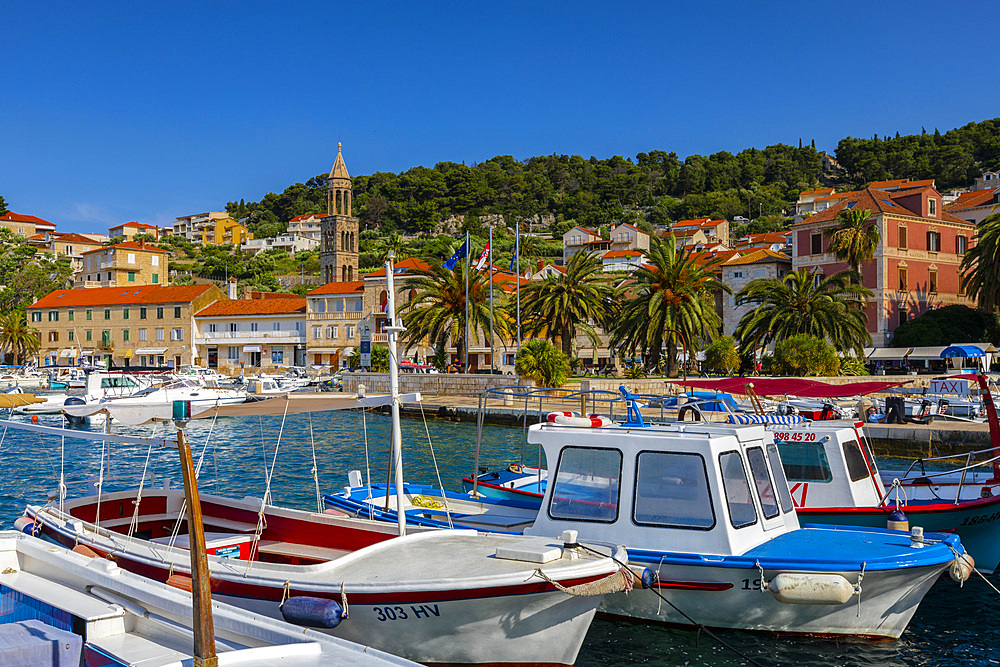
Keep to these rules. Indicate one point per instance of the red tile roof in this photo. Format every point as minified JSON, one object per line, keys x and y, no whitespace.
{"x":589,"y":231}
{"x":307,"y":216}
{"x":20,"y":217}
{"x":972,"y":199}
{"x":876,"y":201}
{"x":820,"y":191}
{"x":836,"y":196}
{"x":287,"y":306}
{"x":761,"y":256}
{"x":140,"y":225}
{"x":72,"y":237}
{"x":625,"y":224}
{"x":115,"y":296}
{"x":401,"y":267}
{"x":597,"y":242}
{"x":352,"y":287}
{"x":130,"y":245}
{"x":765,"y":238}
{"x":611,"y":254}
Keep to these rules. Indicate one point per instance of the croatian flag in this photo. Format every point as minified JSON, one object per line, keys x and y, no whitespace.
{"x":483,"y":258}
{"x":462,"y":251}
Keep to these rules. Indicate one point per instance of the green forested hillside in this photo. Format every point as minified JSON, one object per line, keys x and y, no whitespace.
{"x":654,"y":187}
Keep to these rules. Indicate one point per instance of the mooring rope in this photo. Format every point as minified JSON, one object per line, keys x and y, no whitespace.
{"x":437,"y":471}
{"x":315,"y":468}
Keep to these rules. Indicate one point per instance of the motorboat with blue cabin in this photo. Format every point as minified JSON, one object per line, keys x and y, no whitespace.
{"x":707,"y":508}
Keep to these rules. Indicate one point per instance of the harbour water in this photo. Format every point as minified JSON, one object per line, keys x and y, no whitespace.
{"x":954,"y":626}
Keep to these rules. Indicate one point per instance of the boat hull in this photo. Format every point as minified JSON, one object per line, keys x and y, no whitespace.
{"x":731,"y":598}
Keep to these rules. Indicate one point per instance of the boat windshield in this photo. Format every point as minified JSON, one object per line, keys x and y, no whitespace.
{"x":779,"y":479}
{"x":805,"y":462}
{"x":734,"y":481}
{"x":856,"y":466}
{"x":762,"y":479}
{"x":671,"y":489}
{"x":587,"y":485}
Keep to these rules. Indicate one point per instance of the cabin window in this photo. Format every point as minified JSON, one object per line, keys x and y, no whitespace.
{"x":779,"y":479}
{"x":805,"y":462}
{"x":857,"y":468}
{"x":762,"y":480}
{"x":587,"y":485}
{"x":734,"y":481}
{"x":671,"y":489}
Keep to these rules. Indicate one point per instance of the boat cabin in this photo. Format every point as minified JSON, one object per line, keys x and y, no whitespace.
{"x":828,"y":464}
{"x":713,"y":488}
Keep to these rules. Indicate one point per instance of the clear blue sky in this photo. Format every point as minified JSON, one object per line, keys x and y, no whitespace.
{"x":127,"y":111}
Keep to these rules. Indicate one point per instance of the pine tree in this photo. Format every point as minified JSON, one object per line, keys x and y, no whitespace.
{"x":3,"y":206}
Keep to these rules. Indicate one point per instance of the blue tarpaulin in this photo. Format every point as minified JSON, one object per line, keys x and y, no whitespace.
{"x":962,"y":351}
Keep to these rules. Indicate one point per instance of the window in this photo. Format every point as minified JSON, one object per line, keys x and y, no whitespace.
{"x":211,"y":328}
{"x":107,"y":313}
{"x":737,"y":274}
{"x":857,"y":468}
{"x":587,"y":485}
{"x":339,"y":305}
{"x":737,"y":489}
{"x":671,"y":489}
{"x":177,"y":334}
{"x":124,"y":313}
{"x":331,"y":332}
{"x":36,"y":316}
{"x":232,"y":327}
{"x":53,"y":336}
{"x":903,"y":283}
{"x":349,"y":331}
{"x":131,"y":258}
{"x":234,"y":353}
{"x":131,"y":276}
{"x":142,"y":312}
{"x":159,"y":312}
{"x":934,"y":241}
{"x":156,"y":260}
{"x":321,"y":306}
{"x":277,"y":355}
{"x":177,"y":312}
{"x":90,"y":335}
{"x":71,"y":315}
{"x":70,"y":336}
{"x":816,"y":244}
{"x":961,"y":244}
{"x":354,"y":306}
{"x":276,"y":326}
{"x":106,"y":338}
{"x":159,"y":334}
{"x":90,"y":314}
{"x":932,"y":281}
{"x":317,"y":332}
{"x":156,"y":279}
{"x":779,"y":478}
{"x":804,"y":461}
{"x":142,"y":336}
{"x":125,"y":335}
{"x":931,"y":206}
{"x":904,"y":315}
{"x":762,"y":480}
{"x":902,"y":238}
{"x":53,"y":316}
{"x":253,"y":326}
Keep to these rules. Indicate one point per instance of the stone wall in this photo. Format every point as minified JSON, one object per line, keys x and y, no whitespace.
{"x":661,"y":386}
{"x":450,"y":384}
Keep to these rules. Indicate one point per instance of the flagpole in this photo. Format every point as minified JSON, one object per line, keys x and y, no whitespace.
{"x":491,"y":299}
{"x":517,"y":262}
{"x":468,"y":262}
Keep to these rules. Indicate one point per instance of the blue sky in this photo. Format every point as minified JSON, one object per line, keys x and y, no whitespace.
{"x":127,"y":111}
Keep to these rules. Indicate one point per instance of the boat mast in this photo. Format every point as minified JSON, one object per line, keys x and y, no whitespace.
{"x":201,"y":588}
{"x":394,"y":329}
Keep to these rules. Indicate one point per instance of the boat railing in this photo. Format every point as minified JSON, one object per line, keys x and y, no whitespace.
{"x":92,"y":483}
{"x":924,"y":475}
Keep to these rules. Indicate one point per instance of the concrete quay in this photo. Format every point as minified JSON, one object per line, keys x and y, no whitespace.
{"x":899,"y":440}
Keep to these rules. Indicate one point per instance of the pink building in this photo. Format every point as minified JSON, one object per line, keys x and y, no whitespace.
{"x":915,"y":267}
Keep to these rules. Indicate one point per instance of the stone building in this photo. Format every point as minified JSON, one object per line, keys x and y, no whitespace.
{"x":338,"y":257}
{"x":740,"y":270}
{"x":125,"y":264}
{"x":333,"y":315}
{"x":130,"y":229}
{"x":70,"y":244}
{"x":149,"y":325}
{"x":25,"y":225}
{"x":262,"y":332}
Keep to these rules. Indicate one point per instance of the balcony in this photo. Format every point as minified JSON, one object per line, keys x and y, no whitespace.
{"x":232,"y":337}
{"x":352,"y":316}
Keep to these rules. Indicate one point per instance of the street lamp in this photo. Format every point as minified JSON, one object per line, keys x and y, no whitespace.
{"x":683,"y":350}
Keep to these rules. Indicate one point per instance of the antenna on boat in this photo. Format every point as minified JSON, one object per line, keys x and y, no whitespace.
{"x":393,"y":330}
{"x":201,"y":588}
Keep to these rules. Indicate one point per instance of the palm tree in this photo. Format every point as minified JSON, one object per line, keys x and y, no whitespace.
{"x":854,"y":240}
{"x":437,"y":311}
{"x":541,"y":361}
{"x":16,"y":337}
{"x":802,"y":303}
{"x":981,"y":265}
{"x":673,"y":293}
{"x":560,"y":305}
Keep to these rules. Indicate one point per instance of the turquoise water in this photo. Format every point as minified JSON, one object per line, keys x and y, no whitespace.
{"x":954,"y":626}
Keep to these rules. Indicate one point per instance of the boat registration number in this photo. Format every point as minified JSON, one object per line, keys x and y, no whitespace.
{"x":795,"y":436}
{"x":982,"y":518}
{"x":399,"y":613}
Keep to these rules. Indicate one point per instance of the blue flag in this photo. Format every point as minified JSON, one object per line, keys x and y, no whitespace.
{"x":513,"y":258}
{"x":459,"y":254}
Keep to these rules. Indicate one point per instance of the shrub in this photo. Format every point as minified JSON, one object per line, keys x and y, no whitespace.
{"x":380,"y":359}
{"x":852,"y":366}
{"x":803,"y":354}
{"x":721,"y":356}
{"x":543,"y":363}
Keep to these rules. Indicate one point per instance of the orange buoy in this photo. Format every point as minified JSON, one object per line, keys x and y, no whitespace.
{"x":34,"y":419}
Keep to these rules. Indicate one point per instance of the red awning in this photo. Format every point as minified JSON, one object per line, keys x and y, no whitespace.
{"x":784,"y":386}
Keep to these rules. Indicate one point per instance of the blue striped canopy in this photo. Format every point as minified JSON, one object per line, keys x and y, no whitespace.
{"x":741,"y":418}
{"x":962,"y":351}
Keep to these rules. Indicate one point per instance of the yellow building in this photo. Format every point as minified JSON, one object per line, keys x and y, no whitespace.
{"x":214,"y":227}
{"x":124,"y":265}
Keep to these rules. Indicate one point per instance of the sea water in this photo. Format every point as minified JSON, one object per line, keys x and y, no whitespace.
{"x":954,"y":625}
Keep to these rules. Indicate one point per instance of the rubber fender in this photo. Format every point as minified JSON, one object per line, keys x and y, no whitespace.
{"x":181,"y":582}
{"x":805,"y":588}
{"x":961,"y":568}
{"x":84,"y":550}
{"x":898,"y":521}
{"x":26,"y":525}
{"x":312,"y":612}
{"x":645,"y":576}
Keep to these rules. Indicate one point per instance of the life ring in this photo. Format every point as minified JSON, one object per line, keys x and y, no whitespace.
{"x":514,"y":468}
{"x":425,"y":502}
{"x":573,"y":419}
{"x":683,"y":412}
